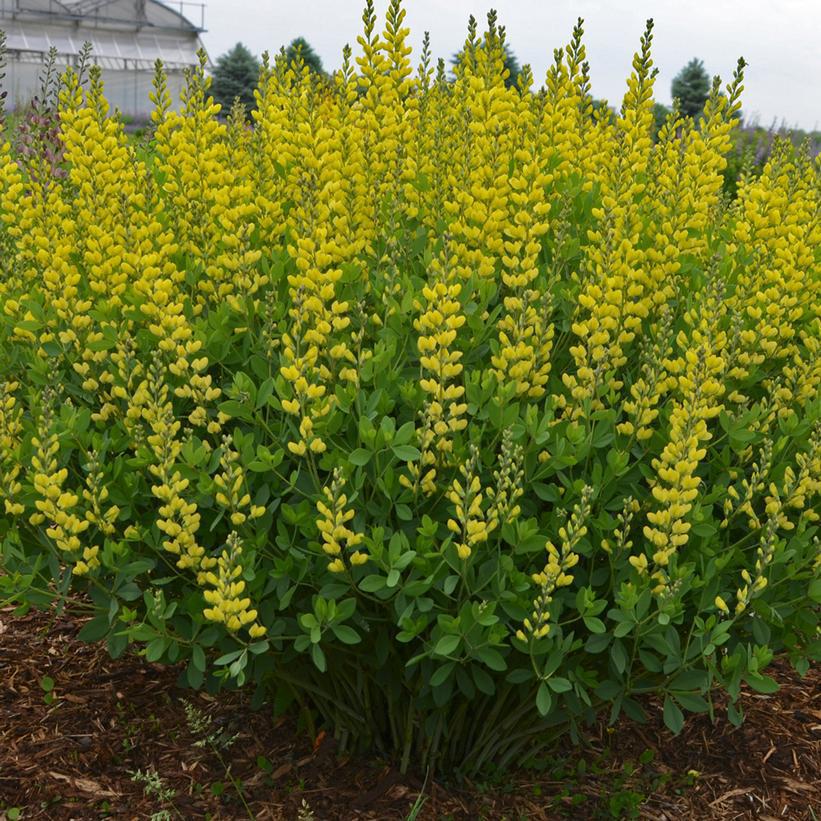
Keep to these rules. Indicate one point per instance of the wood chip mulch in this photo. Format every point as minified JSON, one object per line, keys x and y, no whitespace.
{"x":71,"y":753}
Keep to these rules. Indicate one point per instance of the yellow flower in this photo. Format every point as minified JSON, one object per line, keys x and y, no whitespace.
{"x":559,"y":561}
{"x":224,"y":592}
{"x":470,"y":525}
{"x":337,"y":537}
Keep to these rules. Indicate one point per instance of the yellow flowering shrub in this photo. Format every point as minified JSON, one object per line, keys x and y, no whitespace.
{"x":448,"y":411}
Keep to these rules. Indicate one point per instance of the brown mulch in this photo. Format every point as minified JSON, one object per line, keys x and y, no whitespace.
{"x":71,"y":753}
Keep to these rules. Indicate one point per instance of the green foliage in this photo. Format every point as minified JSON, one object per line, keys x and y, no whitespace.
{"x":235,"y":77}
{"x":691,"y":86}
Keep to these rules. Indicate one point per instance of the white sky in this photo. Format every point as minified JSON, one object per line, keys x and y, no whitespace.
{"x":781,"y":40}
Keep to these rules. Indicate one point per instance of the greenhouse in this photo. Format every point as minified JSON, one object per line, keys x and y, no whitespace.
{"x":127,"y":37}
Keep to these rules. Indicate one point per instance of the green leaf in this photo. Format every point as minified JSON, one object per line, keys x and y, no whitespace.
{"x":266,"y":390}
{"x":194,"y":676}
{"x":441,"y":674}
{"x":94,"y":630}
{"x":372,"y":583}
{"x":761,"y":631}
{"x":483,"y":681}
{"x":673,"y":717}
{"x":597,"y":643}
{"x":235,"y":409}
{"x":404,"y":434}
{"x":690,"y":680}
{"x":558,"y":684}
{"x":617,"y":461}
{"x":227,"y":658}
{"x":594,"y":625}
{"x":761,"y":683}
{"x":406,"y":453}
{"x":547,"y":493}
{"x":308,"y":620}
{"x":155,"y":649}
{"x":318,"y":658}
{"x":544,"y":699}
{"x":403,"y":512}
{"x":740,"y":437}
{"x":704,"y":529}
{"x":609,"y":689}
{"x":693,"y":703}
{"x":520,"y":676}
{"x":117,"y":645}
{"x":198,"y":657}
{"x":347,"y":635}
{"x":345,"y":609}
{"x":446,"y":645}
{"x":360,"y":457}
{"x":491,"y":657}
{"x":618,"y":655}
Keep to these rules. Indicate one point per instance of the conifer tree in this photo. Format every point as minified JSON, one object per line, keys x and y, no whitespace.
{"x":692,"y":87}
{"x":235,"y":77}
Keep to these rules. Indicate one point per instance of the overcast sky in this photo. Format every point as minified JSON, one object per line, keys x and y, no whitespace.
{"x":780,"y":39}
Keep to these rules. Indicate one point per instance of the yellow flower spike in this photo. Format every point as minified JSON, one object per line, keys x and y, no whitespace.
{"x":470,"y":525}
{"x":509,"y":477}
{"x":336,"y":538}
{"x":224,"y":592}
{"x":677,"y":485}
{"x":559,"y":561}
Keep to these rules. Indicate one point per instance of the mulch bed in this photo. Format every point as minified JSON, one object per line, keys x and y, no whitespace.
{"x":71,"y":753}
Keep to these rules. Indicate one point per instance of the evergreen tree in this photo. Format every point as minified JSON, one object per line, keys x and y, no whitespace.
{"x":692,"y":87}
{"x":235,"y":76}
{"x":302,"y":47}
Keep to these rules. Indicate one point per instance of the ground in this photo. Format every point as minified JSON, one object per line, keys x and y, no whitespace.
{"x":76,"y":726}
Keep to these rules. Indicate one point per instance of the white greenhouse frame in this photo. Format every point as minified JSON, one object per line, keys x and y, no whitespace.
{"x":126,"y":36}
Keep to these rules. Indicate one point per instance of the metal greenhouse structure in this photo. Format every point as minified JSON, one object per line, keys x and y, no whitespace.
{"x":126,"y":36}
